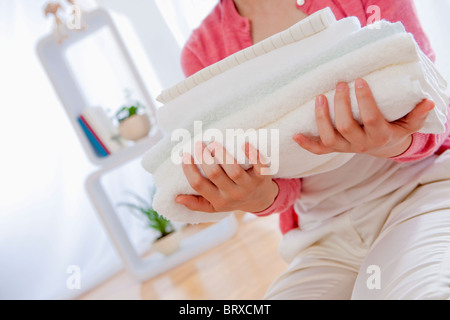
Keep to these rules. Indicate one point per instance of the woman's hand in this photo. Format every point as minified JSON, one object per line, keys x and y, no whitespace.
{"x":227,"y":186}
{"x":375,"y":137}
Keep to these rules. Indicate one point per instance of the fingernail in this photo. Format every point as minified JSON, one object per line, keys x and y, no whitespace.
{"x":179,"y":200}
{"x":342,"y":86}
{"x":360,"y":83}
{"x":252,"y":154}
{"x":430,"y":107}
{"x":198,"y":147}
{"x":247,"y":147}
{"x":186,"y":158}
{"x":320,"y":101}
{"x":298,"y":138}
{"x":212,"y":146}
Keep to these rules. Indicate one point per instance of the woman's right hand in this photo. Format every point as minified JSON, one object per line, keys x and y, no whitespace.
{"x":227,"y":186}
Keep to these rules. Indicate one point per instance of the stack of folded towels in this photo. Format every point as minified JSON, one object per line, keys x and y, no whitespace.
{"x":272,"y":85}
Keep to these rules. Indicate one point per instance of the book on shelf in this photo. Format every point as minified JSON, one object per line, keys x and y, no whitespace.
{"x":96,"y":144}
{"x":100,"y":131}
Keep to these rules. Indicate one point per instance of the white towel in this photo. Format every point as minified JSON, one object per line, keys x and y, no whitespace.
{"x":276,"y":90}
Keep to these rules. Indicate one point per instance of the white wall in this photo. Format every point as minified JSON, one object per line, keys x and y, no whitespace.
{"x":434,"y":18}
{"x":160,"y":45}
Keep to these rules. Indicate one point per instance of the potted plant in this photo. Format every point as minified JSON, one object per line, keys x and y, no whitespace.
{"x":134,"y":124}
{"x":168,"y":240}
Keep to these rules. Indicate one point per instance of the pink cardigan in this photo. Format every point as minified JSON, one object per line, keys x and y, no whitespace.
{"x":224,"y":32}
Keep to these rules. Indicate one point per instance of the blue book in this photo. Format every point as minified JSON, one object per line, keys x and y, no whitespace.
{"x":98,"y":148}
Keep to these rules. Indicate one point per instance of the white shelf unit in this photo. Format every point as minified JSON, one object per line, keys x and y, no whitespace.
{"x":54,"y":59}
{"x":61,"y":73}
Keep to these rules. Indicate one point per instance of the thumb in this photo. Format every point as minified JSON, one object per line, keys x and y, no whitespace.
{"x":415,"y":120}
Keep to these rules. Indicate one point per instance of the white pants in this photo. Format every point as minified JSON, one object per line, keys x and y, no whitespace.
{"x":396,"y":246}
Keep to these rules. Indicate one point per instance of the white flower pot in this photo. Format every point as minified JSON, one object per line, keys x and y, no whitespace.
{"x":168,"y":244}
{"x":135,"y":127}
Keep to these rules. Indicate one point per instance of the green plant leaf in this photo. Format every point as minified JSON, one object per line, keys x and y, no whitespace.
{"x":140,"y":199}
{"x":131,"y":205}
{"x":132,"y":111}
{"x":154,"y":220}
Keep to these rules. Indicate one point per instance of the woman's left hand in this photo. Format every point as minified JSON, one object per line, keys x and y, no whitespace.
{"x":376,"y":137}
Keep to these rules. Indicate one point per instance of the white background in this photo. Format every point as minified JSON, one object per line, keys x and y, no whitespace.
{"x":47,"y":223}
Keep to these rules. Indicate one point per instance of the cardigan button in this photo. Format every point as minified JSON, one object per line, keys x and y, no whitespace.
{"x":300,"y":2}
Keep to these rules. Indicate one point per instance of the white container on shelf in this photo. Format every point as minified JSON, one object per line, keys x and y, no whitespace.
{"x":135,"y":127}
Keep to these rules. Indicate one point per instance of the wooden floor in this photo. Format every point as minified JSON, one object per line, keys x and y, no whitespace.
{"x":241,"y":268}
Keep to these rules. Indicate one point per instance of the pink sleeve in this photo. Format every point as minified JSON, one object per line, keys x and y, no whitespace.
{"x":289,"y":190}
{"x":423,"y":145}
{"x":190,"y":63}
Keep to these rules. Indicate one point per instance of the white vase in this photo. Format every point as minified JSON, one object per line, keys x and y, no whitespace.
{"x":135,"y":127}
{"x":168,"y":244}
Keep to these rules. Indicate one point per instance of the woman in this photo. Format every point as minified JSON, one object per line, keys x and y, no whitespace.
{"x":383,"y":217}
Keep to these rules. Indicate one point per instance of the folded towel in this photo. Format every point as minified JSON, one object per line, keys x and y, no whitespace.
{"x":280,"y":66}
{"x":270,"y":96}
